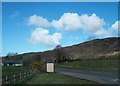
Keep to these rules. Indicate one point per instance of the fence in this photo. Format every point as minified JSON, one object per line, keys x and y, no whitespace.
{"x":16,"y":78}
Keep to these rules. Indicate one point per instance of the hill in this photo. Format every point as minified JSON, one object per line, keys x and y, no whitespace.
{"x":93,"y":49}
{"x":106,"y":48}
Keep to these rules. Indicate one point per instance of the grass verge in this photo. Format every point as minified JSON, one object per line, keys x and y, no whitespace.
{"x":55,"y":78}
{"x":97,"y":65}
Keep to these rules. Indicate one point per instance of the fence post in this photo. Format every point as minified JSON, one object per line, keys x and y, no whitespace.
{"x":6,"y":80}
{"x":30,"y":72}
{"x":24,"y":74}
{"x":14,"y":78}
{"x":20,"y":77}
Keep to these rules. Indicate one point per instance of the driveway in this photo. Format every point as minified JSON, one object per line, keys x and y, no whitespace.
{"x":100,"y":77}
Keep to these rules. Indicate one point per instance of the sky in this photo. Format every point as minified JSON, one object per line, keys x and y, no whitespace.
{"x":40,"y":26}
{"x":60,"y":0}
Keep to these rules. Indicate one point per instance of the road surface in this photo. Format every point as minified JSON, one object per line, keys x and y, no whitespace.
{"x":100,"y":77}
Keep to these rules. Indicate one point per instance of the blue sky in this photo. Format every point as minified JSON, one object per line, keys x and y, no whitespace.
{"x":35,"y":27}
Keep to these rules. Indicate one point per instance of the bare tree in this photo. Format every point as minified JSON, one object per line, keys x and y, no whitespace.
{"x":59,"y":54}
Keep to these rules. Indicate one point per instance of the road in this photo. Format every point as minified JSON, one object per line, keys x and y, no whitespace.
{"x":100,"y":77}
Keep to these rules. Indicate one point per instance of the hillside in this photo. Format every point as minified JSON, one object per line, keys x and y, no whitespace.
{"x":94,"y":49}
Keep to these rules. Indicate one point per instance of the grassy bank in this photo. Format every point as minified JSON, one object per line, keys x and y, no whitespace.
{"x":100,"y":65}
{"x":54,"y":78}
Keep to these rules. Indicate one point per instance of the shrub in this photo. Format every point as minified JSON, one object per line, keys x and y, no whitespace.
{"x":36,"y":65}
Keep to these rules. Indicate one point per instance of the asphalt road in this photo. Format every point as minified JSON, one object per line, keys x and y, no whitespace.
{"x":100,"y":77}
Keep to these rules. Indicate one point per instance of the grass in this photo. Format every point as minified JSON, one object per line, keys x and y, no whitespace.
{"x":8,"y":70}
{"x":100,"y":65}
{"x":54,"y":78}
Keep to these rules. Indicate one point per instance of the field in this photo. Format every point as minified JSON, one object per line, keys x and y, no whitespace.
{"x":54,"y":78}
{"x":8,"y":70}
{"x":100,"y":65}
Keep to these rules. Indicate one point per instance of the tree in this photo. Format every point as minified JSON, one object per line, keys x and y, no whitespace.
{"x":10,"y":54}
{"x":58,"y":46}
{"x":59,"y":54}
{"x":37,"y":57}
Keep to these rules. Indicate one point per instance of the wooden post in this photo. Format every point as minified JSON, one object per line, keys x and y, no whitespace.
{"x":20,"y":77}
{"x":14,"y":78}
{"x":24,"y":74}
{"x":6,"y":80}
{"x":28,"y":73}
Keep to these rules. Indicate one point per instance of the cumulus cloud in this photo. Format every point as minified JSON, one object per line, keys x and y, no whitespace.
{"x":93,"y":24}
{"x":38,"y":21}
{"x":42,"y":36}
{"x":89,"y":23}
{"x":115,"y":25}
{"x":68,"y":21}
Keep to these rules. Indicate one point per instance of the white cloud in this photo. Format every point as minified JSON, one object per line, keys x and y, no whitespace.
{"x":89,"y":23}
{"x":115,"y":25}
{"x":115,"y":28}
{"x":38,"y":21}
{"x":41,"y":36}
{"x":93,"y":24}
{"x":68,"y":21}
